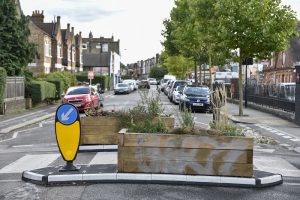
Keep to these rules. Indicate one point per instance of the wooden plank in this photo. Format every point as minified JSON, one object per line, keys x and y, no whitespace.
{"x":188,"y":168}
{"x":186,"y":155}
{"x":187,"y":141}
{"x":95,"y":130}
{"x":99,"y":120}
{"x":99,"y":139}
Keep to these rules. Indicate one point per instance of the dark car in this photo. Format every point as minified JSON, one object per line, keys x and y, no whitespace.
{"x":195,"y":98}
{"x":83,"y":97}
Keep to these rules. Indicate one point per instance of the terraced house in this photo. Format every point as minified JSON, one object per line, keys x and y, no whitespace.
{"x":58,"y":49}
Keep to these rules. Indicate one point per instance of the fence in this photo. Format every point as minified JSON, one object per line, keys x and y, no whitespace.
{"x":269,"y":96}
{"x":15,"y":89}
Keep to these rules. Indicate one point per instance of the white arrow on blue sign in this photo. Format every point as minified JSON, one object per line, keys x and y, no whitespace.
{"x":67,"y":114}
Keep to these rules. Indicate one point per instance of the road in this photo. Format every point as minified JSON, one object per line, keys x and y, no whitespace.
{"x":35,"y":146}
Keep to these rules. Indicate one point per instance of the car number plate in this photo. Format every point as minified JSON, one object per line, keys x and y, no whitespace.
{"x":197,"y":104}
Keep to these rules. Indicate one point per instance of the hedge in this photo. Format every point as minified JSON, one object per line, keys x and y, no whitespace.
{"x":59,"y":84}
{"x":103,"y":80}
{"x":40,"y":91}
{"x":66,"y":80}
{"x":3,"y":76}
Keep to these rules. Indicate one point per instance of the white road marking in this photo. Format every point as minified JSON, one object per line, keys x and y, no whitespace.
{"x":20,"y":146}
{"x":293,"y":184}
{"x":8,"y":120}
{"x":265,"y":150}
{"x":105,"y":158}
{"x":286,"y":136}
{"x":29,"y":162}
{"x":295,"y":140}
{"x":278,"y":133}
{"x":13,"y":137}
{"x":275,"y":165}
{"x":273,"y":131}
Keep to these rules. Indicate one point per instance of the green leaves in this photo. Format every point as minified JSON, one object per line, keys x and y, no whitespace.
{"x":15,"y":49}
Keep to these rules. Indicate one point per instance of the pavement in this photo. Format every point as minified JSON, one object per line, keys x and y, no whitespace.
{"x":108,"y":173}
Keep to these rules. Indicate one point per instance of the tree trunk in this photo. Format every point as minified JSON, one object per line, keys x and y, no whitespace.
{"x":195,"y":71}
{"x":210,"y":75}
{"x":241,"y":85}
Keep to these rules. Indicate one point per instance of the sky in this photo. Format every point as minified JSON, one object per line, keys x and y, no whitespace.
{"x":137,"y":23}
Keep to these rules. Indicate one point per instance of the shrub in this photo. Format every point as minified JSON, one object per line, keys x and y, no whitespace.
{"x":59,"y":85}
{"x":2,"y":83}
{"x":101,"y":79}
{"x":40,"y":91}
{"x":66,"y":80}
{"x":72,"y":78}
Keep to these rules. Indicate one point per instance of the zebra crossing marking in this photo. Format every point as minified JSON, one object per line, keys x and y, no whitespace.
{"x":30,"y":162}
{"x":104,"y":158}
{"x":275,"y":165}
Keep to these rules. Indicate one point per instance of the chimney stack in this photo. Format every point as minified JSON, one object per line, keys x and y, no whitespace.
{"x":58,"y":19}
{"x":68,"y":27}
{"x":37,"y":16}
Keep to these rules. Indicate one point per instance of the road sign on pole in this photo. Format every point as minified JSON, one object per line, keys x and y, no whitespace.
{"x":67,"y":130}
{"x":90,"y":76}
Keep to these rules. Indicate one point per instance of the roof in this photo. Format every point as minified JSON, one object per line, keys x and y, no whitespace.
{"x":96,"y":60}
{"x":47,"y":27}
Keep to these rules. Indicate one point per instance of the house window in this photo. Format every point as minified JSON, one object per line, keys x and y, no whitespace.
{"x":59,"y":51}
{"x":47,"y":47}
{"x":73,"y":52}
{"x":98,"y":46}
{"x":69,"y":53}
{"x":84,"y":46}
{"x":105,"y":47}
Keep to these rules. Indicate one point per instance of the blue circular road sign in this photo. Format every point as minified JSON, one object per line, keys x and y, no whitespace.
{"x":67,"y":114}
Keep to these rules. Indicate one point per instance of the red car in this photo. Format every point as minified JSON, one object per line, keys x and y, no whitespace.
{"x":83,"y":97}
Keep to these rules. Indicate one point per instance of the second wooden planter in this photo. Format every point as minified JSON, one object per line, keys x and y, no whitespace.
{"x":104,"y":129}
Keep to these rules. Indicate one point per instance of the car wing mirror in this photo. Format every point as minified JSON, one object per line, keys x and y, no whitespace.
{"x":180,"y":92}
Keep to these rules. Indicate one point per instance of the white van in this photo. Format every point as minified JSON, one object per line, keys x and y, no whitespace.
{"x":164,"y":81}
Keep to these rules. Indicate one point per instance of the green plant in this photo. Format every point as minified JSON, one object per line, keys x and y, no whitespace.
{"x":66,"y":80}
{"x":2,"y":83}
{"x":187,"y":119}
{"x":40,"y":91}
{"x":59,"y":85}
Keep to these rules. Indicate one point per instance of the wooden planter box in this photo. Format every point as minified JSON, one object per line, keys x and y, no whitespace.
{"x":104,"y":129}
{"x":185,"y":154}
{"x":99,"y":130}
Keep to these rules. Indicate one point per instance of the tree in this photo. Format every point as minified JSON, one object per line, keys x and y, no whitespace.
{"x":158,"y":72}
{"x":15,"y":49}
{"x":256,"y":27}
{"x":179,"y":65}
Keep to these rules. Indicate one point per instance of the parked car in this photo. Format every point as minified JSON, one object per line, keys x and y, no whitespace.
{"x":164,"y":81}
{"x":195,"y":98}
{"x":122,"y":88}
{"x":144,"y":84}
{"x":173,"y":86}
{"x":177,"y":94}
{"x":152,"y":81}
{"x":83,"y":97}
{"x":132,"y":83}
{"x":168,"y":86}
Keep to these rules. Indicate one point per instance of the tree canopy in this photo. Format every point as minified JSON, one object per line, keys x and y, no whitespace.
{"x":208,"y":30}
{"x":15,"y":49}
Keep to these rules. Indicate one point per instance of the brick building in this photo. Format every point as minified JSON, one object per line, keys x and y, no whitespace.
{"x":280,"y":69}
{"x":61,"y":48}
{"x":102,"y":56}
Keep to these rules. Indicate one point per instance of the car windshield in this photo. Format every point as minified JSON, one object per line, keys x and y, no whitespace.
{"x":122,"y":85}
{"x":82,"y":90}
{"x":196,"y":91}
{"x":180,"y":88}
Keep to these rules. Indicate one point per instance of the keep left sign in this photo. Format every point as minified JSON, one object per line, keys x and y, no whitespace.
{"x":67,"y":130}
